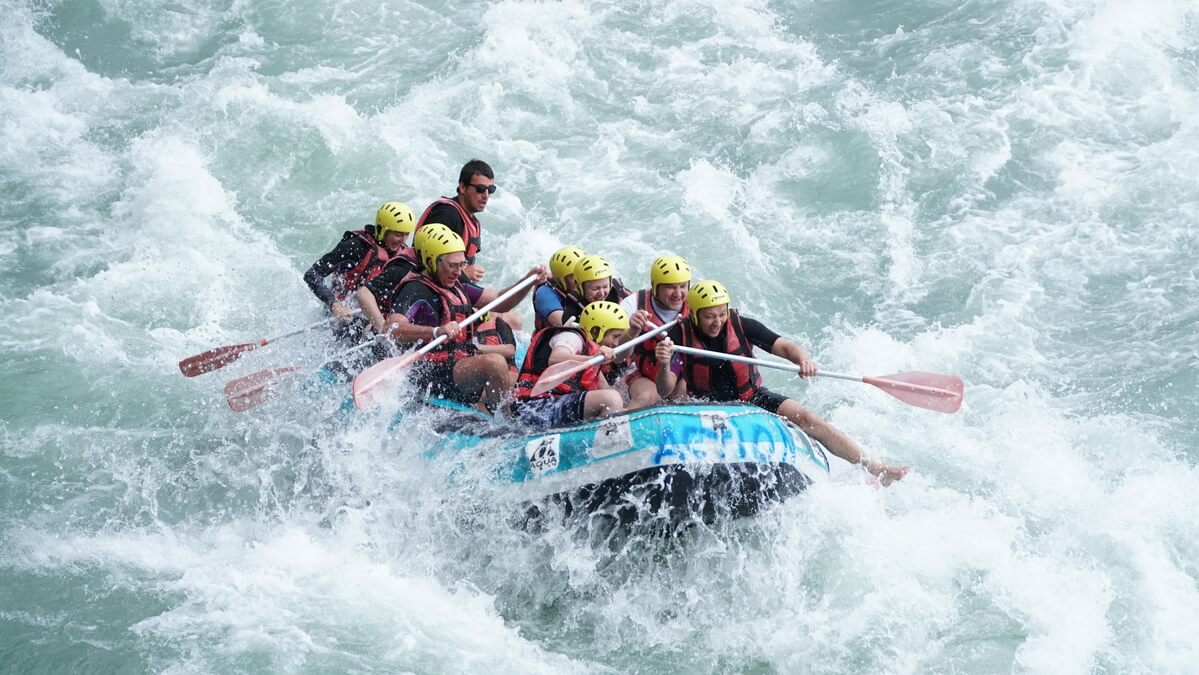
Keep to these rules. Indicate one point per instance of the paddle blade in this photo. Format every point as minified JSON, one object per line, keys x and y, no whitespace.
{"x":215,"y":358}
{"x":932,"y":391}
{"x":557,"y":374}
{"x":373,"y":382}
{"x":255,"y":389}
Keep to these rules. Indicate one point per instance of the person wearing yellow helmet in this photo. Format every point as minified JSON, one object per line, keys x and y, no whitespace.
{"x":662,"y":302}
{"x":360,"y":256}
{"x":593,"y":276}
{"x":434,"y":302}
{"x":586,"y":395}
{"x":716,"y":327}
{"x":556,"y":299}
{"x":376,"y":296}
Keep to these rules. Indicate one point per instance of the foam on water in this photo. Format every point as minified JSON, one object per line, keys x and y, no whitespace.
{"x":1005,"y":192}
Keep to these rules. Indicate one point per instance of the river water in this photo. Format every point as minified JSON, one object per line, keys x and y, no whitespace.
{"x":1002,"y":190}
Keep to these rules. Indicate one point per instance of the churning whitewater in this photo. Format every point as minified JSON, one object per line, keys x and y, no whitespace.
{"x":1003,"y":190}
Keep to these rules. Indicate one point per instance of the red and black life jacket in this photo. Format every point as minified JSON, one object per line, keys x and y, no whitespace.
{"x":537,"y":360}
{"x":369,"y":267}
{"x":618,"y":292}
{"x":488,"y":333}
{"x":471,"y":234}
{"x":454,"y":305}
{"x":643,"y":354}
{"x":386,"y":296}
{"x":571,"y":307}
{"x":698,"y":369}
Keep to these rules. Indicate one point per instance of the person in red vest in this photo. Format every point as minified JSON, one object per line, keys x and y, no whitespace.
{"x":594,"y":281}
{"x":476,"y":184}
{"x":664,"y":301}
{"x":360,"y":256}
{"x":587,"y":394}
{"x":434,"y":302}
{"x":716,"y":327}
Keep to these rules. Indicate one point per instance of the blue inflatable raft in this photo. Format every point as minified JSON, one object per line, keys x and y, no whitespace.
{"x":668,"y":464}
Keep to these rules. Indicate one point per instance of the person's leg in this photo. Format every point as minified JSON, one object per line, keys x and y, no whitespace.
{"x":484,"y":377}
{"x":642,"y":393}
{"x":837,"y":442}
{"x":601,"y":403}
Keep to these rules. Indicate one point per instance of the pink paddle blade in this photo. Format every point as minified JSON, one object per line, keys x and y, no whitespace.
{"x":371,"y":383}
{"x":214,"y":358}
{"x":932,"y":391}
{"x":256,"y":388}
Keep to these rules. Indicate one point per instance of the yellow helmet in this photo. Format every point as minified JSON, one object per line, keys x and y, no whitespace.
{"x":437,"y":243}
{"x":668,"y":269}
{"x":604,"y":316}
{"x":394,"y":217}
{"x":592,"y":268}
{"x":705,"y":294}
{"x":562,"y":263}
{"x":423,"y":233}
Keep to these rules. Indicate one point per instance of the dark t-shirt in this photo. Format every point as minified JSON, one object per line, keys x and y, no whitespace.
{"x":385,"y":286}
{"x":421,"y":304}
{"x":723,"y":382}
{"x":348,"y":252}
{"x":449,"y":216}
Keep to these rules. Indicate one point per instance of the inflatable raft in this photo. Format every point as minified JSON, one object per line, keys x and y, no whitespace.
{"x":667,"y":464}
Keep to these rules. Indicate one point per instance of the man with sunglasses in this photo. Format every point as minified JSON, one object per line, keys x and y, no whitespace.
{"x":476,"y":184}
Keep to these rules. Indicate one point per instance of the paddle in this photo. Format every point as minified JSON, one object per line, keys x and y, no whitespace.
{"x":559,"y":372}
{"x":932,"y":391}
{"x":250,"y":391}
{"x":220,"y":357}
{"x":368,"y":384}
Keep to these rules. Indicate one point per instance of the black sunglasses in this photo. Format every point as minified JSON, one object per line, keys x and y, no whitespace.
{"x":489,"y":189}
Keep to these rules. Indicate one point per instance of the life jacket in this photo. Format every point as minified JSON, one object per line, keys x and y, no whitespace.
{"x":454,"y":306}
{"x":571,"y":307}
{"x":618,"y":291}
{"x":386,"y":296}
{"x":488,"y":333}
{"x":698,"y":369}
{"x":643,"y":353}
{"x":537,"y":360}
{"x":370,"y":266}
{"x":471,"y":234}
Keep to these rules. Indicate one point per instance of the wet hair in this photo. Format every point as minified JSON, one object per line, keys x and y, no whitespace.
{"x":473,"y":167}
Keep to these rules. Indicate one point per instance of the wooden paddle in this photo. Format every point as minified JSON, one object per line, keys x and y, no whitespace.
{"x":372,"y":382}
{"x":220,"y":357}
{"x":559,"y":372}
{"x":931,"y":391}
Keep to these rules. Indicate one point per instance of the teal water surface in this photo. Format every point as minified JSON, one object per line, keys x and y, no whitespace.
{"x":1002,"y":190}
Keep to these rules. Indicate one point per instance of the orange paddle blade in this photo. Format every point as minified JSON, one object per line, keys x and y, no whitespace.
{"x":215,"y":358}
{"x":255,"y":389}
{"x":932,"y":391}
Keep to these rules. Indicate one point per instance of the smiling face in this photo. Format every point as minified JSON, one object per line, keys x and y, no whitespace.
{"x":394,"y":241}
{"x":475,"y":195}
{"x":672,"y":296}
{"x":595,"y":290}
{"x":711,"y":319}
